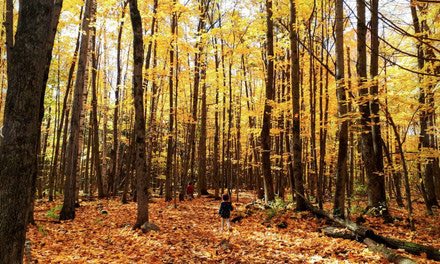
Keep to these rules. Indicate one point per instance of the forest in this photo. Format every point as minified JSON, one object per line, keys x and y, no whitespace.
{"x":317,"y":118}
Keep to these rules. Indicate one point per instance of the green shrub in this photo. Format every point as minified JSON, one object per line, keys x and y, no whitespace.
{"x":53,"y":212}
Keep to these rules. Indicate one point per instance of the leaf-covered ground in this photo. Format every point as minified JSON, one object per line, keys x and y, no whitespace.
{"x":190,"y":234}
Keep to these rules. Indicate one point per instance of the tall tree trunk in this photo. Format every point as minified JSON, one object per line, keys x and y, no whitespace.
{"x":130,"y":157}
{"x":139,"y":122}
{"x":341,"y":171}
{"x":376,"y":183}
{"x":371,"y":152}
{"x":73,"y":149}
{"x":202,"y":186}
{"x":228,"y":171}
{"x":22,"y":116}
{"x":351,"y":176}
{"x":312,"y":105}
{"x":216,"y":169}
{"x":427,"y":185}
{"x":197,"y":67}
{"x":238,"y":173}
{"x":86,"y":177}
{"x":95,"y":125}
{"x":269,"y":194}
{"x":104,"y":113}
{"x":64,"y":115}
{"x":42,"y":159}
{"x":296,"y":113}
{"x":170,"y":153}
{"x":405,"y":168}
{"x":114,"y":153}
{"x":151,"y":129}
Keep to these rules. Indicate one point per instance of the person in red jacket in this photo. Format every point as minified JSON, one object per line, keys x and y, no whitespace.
{"x":190,"y":191}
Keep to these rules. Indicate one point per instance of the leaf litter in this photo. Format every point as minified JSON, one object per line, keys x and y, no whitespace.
{"x":190,"y":233}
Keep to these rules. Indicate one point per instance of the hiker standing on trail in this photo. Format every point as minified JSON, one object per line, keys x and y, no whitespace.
{"x":190,"y":191}
{"x":225,"y":211}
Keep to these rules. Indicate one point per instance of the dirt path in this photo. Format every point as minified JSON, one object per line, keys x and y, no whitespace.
{"x":189,"y":234}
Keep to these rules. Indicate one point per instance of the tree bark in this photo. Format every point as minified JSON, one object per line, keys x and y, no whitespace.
{"x":95,"y":125}
{"x":139,"y":123}
{"x":296,"y":96}
{"x":341,"y":171}
{"x":170,"y":154}
{"x":371,"y":152}
{"x":22,"y":117}
{"x":111,"y":189}
{"x":428,"y":186}
{"x":202,"y":186}
{"x":151,"y":127}
{"x":73,"y":149}
{"x":376,"y":183}
{"x":269,"y":194}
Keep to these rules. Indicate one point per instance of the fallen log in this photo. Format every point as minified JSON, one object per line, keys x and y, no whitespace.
{"x":391,"y":256}
{"x":388,"y":254}
{"x":362,"y":232}
{"x":359,"y":230}
{"x":336,"y":232}
{"x":413,"y":248}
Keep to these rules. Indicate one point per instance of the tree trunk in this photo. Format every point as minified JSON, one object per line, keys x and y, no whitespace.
{"x":72,"y":166}
{"x":376,"y":183}
{"x":64,"y":111}
{"x":269,"y":194}
{"x":405,"y":168}
{"x":371,"y":152}
{"x":296,"y":125}
{"x":87,"y":173}
{"x":216,"y":169}
{"x":139,"y":123}
{"x":428,"y":187}
{"x":170,"y":148}
{"x":95,"y":125}
{"x":151,"y":128}
{"x":341,"y":171}
{"x":130,"y":157}
{"x":22,"y":117}
{"x":114,"y":153}
{"x":202,"y":186}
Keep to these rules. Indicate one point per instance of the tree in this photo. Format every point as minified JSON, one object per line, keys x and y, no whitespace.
{"x":64,"y":117}
{"x":170,"y":153}
{"x":297,"y":177}
{"x":95,"y":126}
{"x":139,"y":122}
{"x":425,"y":55}
{"x":371,"y":137}
{"x":341,"y":173}
{"x":73,"y":149}
{"x":115,"y":150}
{"x":269,"y":194}
{"x":22,"y":122}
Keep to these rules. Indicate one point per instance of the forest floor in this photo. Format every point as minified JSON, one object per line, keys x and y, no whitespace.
{"x":190,"y":234}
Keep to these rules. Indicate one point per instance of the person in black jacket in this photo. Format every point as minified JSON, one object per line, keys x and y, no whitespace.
{"x":225,"y":211}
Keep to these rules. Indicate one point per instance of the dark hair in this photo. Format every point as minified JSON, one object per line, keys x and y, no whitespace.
{"x":225,"y":197}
